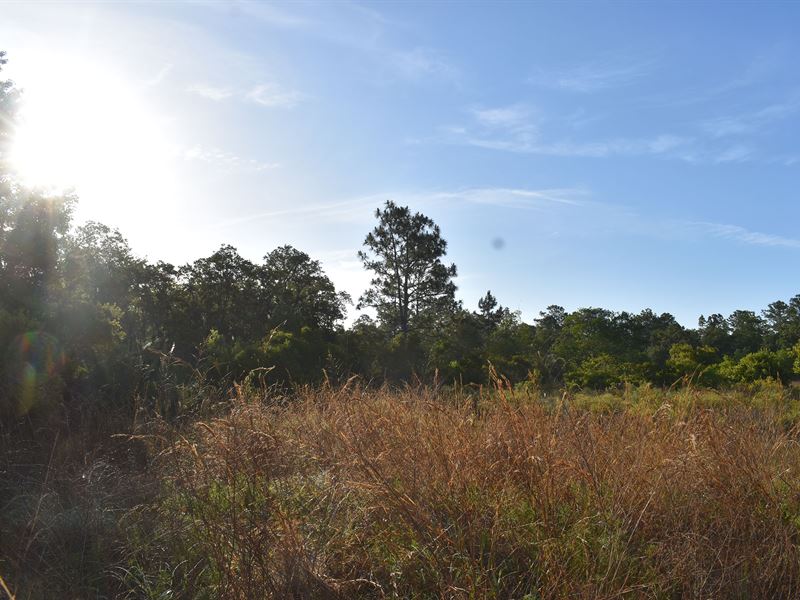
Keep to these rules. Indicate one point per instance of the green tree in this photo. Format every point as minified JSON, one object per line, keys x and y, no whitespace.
{"x":411,"y":283}
{"x":748,"y":332}
{"x":9,"y":97}
{"x":796,"y":352}
{"x":510,"y":348}
{"x":715,"y":331}
{"x":490,"y":311}
{"x":163,"y":303}
{"x":761,"y":364}
{"x":224,"y":293}
{"x":99,"y":265}
{"x":458,"y":353}
{"x":362,"y":347}
{"x":654,"y":335}
{"x":783,"y":322}
{"x":586,"y":333}
{"x":692,"y":362}
{"x":32,"y":230}
{"x":302,"y":295}
{"x":597,"y":372}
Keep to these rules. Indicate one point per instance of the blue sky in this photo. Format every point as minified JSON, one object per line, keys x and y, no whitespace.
{"x":624,"y":155}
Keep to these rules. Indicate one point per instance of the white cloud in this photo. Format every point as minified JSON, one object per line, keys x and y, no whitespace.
{"x":269,"y":14}
{"x":753,"y":121}
{"x":509,"y":128}
{"x":160,"y":76}
{"x":513,"y":197}
{"x":423,"y":63}
{"x":737,"y":153}
{"x":361,"y":208}
{"x":347,"y":209}
{"x":752,"y":74}
{"x":509,"y":117}
{"x":210,"y":92}
{"x":227,"y":160}
{"x":665,"y":143}
{"x":274,"y":96}
{"x":516,"y":128}
{"x":520,"y":128}
{"x":270,"y":95}
{"x":590,"y":77}
{"x":524,"y":143}
{"x":740,"y":234}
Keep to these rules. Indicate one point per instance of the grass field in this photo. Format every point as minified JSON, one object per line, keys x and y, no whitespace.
{"x":355,"y":492}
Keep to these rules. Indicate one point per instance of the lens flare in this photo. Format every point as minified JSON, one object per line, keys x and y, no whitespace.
{"x":36,"y":362}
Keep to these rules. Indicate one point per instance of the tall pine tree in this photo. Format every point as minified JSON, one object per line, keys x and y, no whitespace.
{"x":410,"y":283}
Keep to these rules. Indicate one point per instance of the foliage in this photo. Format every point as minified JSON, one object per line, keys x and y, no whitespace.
{"x":110,"y":317}
{"x":352,"y":492}
{"x":763,"y":364}
{"x":302,"y":295}
{"x":411,"y":285}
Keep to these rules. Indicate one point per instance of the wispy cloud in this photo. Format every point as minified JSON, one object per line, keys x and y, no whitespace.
{"x":516,"y":128}
{"x":511,"y":127}
{"x":754,"y":73}
{"x":740,"y":234}
{"x":516,"y":198}
{"x":523,"y":129}
{"x":274,"y":96}
{"x":753,"y":121}
{"x":226,"y":160}
{"x":347,"y":24}
{"x":269,"y":95}
{"x":665,"y":144}
{"x":266,"y":13}
{"x":658,"y":145}
{"x":358,"y":27}
{"x":210,"y":92}
{"x":361,"y":208}
{"x":591,"y":77}
{"x":514,"y":117}
{"x":160,"y":76}
{"x":735,"y":153}
{"x":423,"y":63}
{"x":323,"y":212}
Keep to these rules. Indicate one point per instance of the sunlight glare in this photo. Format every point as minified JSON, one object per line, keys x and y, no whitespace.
{"x":84,"y":127}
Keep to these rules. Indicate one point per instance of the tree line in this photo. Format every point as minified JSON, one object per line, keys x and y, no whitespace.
{"x":84,"y":322}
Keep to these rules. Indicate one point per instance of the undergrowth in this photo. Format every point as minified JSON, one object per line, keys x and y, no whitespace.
{"x":355,"y":492}
{"x":422,"y":493}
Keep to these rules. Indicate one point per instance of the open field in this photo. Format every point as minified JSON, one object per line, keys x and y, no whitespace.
{"x":354,"y":492}
{"x":385,"y":299}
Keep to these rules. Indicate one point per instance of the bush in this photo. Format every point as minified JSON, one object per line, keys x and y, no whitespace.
{"x":371,"y":493}
{"x":763,"y":364}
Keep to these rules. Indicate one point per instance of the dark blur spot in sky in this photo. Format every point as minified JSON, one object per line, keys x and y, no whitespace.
{"x":498,"y":243}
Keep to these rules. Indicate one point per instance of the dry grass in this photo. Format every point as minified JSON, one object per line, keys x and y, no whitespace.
{"x":377,"y":493}
{"x":61,"y":499}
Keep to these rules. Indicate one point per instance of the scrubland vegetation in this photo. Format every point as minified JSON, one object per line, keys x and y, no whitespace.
{"x":213,"y":430}
{"x":423,"y":492}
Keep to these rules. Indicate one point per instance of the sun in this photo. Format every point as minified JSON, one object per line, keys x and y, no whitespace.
{"x":83,"y":126}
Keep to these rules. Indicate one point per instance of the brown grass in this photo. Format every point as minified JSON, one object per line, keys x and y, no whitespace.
{"x":377,"y":493}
